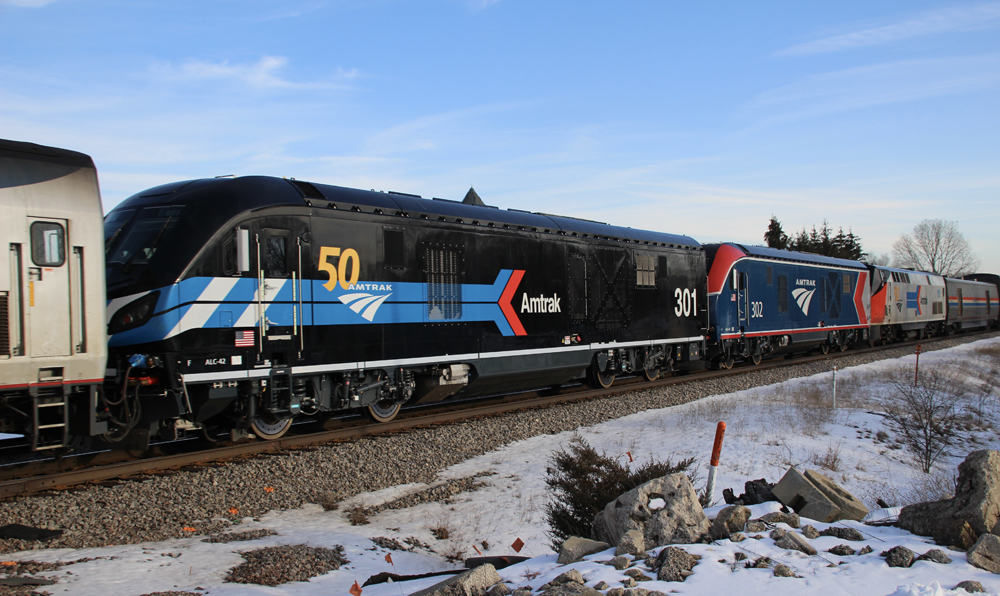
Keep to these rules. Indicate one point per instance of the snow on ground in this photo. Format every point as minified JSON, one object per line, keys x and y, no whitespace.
{"x":769,"y":429}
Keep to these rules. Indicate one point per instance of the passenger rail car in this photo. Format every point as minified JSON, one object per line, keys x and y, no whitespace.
{"x":764,"y":300}
{"x":52,"y":329}
{"x":238,"y":304}
{"x":971,"y":304}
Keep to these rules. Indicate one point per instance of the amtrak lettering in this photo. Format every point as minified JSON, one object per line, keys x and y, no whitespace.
{"x":371,"y":287}
{"x":805,"y":282}
{"x":540,"y":304}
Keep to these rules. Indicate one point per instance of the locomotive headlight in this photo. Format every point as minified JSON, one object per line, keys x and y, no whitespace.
{"x":133,"y":314}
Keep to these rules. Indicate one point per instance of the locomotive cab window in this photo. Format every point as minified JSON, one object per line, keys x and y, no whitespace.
{"x":48,"y":244}
{"x":229,"y":255}
{"x":393,"y":248}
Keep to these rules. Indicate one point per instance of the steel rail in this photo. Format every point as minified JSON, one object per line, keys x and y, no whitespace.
{"x":102,"y":467}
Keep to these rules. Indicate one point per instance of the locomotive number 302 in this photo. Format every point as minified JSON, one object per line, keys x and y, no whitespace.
{"x":687,"y":302}
{"x":347,"y":269}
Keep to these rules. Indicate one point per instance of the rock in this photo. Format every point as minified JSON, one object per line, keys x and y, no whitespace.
{"x":739,"y":556}
{"x":675,"y":564}
{"x":631,"y":543}
{"x":656,"y":593}
{"x":842,"y":550}
{"x":898,"y":556}
{"x":521,"y":592}
{"x":816,"y":496}
{"x":616,"y":592}
{"x":729,"y":520}
{"x":755,"y":526}
{"x":601,"y":585}
{"x":637,"y":592}
{"x":629,"y":582}
{"x":970,"y":586}
{"x":843,"y":533}
{"x":637,"y":575}
{"x":737,"y":537}
{"x":795,"y":541}
{"x":570,"y":590}
{"x":866,"y":550}
{"x":985,"y":553}
{"x":575,"y":548}
{"x":500,"y":589}
{"x":780,"y":517}
{"x":810,"y":532}
{"x":474,"y":582}
{"x":620,"y":562}
{"x":783,"y":571}
{"x":778,"y":533}
{"x":760,"y":563}
{"x":976,"y":503}
{"x":937,"y":555}
{"x":682,"y":521}
{"x":571,"y":576}
{"x":936,"y":519}
{"x":599,"y":529}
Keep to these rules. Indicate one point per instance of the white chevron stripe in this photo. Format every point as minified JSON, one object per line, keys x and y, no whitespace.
{"x":803,"y":298}
{"x":370,"y":311}
{"x":358,"y":302}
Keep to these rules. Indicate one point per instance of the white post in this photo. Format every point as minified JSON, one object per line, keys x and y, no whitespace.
{"x":834,"y":387}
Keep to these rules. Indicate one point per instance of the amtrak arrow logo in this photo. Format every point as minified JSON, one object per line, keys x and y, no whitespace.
{"x":803,"y":298}
{"x":508,"y":294}
{"x":369,"y":303}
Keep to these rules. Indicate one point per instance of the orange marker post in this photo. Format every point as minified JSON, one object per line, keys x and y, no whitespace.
{"x":713,"y":469}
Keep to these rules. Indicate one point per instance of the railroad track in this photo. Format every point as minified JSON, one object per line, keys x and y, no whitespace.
{"x":68,"y":472}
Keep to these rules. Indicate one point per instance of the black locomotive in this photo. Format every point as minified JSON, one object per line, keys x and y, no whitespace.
{"x":236,"y":305}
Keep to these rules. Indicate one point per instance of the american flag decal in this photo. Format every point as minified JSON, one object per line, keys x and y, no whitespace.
{"x":244,"y":339}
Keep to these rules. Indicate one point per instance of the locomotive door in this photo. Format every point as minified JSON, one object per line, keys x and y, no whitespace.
{"x":48,"y":288}
{"x":742,"y":300}
{"x":280,"y":287}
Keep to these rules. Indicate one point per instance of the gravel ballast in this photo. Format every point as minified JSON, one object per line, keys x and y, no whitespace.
{"x":209,"y":501}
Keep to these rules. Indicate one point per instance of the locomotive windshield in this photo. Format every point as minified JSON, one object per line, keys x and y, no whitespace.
{"x":140,"y":239}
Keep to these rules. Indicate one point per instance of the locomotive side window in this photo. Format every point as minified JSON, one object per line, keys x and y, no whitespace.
{"x":229,"y":255}
{"x":847,"y":283}
{"x":444,"y":284}
{"x":769,"y":279}
{"x":782,"y":293}
{"x":393,"y":248}
{"x":645,"y":271}
{"x":275,"y":256}
{"x":48,"y":244}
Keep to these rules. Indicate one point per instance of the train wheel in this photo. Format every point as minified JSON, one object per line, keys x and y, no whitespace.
{"x":726,"y":363}
{"x":842,"y":346}
{"x":270,"y":431}
{"x":755,"y":357}
{"x":651,"y":374}
{"x":600,"y":379}
{"x":824,"y":348}
{"x":384,"y":411}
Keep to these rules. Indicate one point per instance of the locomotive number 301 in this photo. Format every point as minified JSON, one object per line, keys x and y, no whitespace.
{"x":347,"y":269}
{"x":687,"y":302}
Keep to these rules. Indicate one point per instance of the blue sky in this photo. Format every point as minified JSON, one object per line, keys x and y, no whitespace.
{"x":701,"y":120}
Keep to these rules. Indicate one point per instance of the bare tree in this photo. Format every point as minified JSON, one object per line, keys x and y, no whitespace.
{"x":879,"y":260}
{"x":936,"y":246}
{"x":925,"y":414}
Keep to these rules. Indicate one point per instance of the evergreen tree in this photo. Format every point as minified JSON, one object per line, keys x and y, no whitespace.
{"x":824,"y":242}
{"x":775,"y":236}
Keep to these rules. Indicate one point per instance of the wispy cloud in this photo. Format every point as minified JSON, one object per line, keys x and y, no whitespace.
{"x":880,"y":84}
{"x":480,"y":4}
{"x":946,"y":20}
{"x":265,"y":73}
{"x":26,"y":3}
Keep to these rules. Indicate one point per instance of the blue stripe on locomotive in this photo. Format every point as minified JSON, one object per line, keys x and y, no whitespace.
{"x":223,"y":303}
{"x":815,"y":300}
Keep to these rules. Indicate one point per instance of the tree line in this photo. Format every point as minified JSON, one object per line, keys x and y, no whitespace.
{"x":935,"y":245}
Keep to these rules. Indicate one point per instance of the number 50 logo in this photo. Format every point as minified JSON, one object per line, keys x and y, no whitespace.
{"x":348,"y":261}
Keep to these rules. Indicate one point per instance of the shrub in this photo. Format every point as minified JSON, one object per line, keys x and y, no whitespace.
{"x":924,"y":413}
{"x":583,"y":481}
